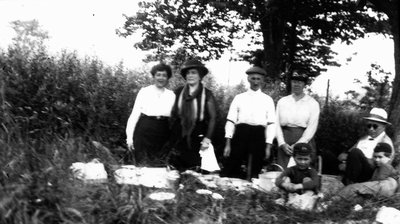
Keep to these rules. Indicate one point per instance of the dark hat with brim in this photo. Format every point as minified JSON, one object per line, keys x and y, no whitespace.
{"x":299,"y":76}
{"x":302,"y":149}
{"x":194,"y":64}
{"x":256,"y":70}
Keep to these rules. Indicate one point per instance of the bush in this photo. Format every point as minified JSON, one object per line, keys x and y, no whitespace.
{"x":45,"y":95}
{"x":339,"y":129}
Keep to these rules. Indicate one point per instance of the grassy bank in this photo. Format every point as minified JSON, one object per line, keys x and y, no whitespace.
{"x":38,"y":187}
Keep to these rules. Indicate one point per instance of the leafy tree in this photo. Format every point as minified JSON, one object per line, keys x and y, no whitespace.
{"x":282,"y":34}
{"x":29,"y":36}
{"x":378,"y":90}
{"x":391,"y":9}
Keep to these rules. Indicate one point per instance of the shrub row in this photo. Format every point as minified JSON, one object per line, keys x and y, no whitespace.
{"x":43,"y":96}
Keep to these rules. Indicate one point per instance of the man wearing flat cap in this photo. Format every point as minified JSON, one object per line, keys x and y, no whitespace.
{"x":357,"y":163}
{"x":250,"y":128}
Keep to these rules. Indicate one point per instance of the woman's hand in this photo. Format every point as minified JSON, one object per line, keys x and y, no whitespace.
{"x":130,"y":145}
{"x":205,"y":143}
{"x":287,"y":149}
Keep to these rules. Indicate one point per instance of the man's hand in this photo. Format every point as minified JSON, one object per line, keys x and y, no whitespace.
{"x":287,"y":149}
{"x":268,"y":151}
{"x":227,"y":149}
{"x":342,"y":156}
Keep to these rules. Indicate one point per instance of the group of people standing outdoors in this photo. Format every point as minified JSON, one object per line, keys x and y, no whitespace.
{"x":175,"y":124}
{"x":179,"y":124}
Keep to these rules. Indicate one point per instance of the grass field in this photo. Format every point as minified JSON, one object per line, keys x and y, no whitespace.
{"x":38,"y":187}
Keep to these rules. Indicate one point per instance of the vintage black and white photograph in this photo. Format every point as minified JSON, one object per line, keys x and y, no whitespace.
{"x":199,"y":111}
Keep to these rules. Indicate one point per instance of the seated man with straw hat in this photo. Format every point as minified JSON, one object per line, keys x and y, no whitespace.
{"x":357,"y":163}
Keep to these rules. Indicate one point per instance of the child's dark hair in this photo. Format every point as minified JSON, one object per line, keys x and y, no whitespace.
{"x":384,"y":147}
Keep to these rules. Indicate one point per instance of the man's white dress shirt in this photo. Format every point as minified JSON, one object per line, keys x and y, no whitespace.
{"x":252,"y":108}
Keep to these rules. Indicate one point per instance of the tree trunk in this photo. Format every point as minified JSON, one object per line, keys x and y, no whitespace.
{"x":391,"y":9}
{"x":272,"y":26}
{"x":394,"y":112}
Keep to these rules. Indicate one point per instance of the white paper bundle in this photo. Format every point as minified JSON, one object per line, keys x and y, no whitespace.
{"x":208,"y":159}
{"x":91,"y":172}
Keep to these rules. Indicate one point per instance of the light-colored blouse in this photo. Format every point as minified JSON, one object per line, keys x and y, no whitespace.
{"x":301,"y":113}
{"x":150,"y":101}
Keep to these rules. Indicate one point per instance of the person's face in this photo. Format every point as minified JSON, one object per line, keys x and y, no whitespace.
{"x":303,"y":162}
{"x":193,"y":77}
{"x":161,"y":79}
{"x":255,"y":81}
{"x":380,"y":158}
{"x":375,"y":128}
{"x":297,"y":86}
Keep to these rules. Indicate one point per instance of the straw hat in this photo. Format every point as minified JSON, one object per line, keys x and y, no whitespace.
{"x":378,"y":115}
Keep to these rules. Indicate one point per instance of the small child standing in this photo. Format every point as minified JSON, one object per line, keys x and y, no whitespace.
{"x":301,"y":177}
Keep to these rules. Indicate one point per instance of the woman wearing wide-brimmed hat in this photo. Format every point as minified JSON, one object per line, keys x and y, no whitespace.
{"x":193,"y":117}
{"x":297,"y":118}
{"x":147,"y":129}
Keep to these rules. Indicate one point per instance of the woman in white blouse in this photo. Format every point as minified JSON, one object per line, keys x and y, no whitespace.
{"x":297,"y":118}
{"x":147,"y":129}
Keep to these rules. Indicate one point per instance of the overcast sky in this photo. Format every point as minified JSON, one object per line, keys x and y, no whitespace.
{"x":88,"y":26}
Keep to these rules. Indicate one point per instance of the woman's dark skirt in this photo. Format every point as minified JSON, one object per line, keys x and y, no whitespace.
{"x":150,"y":139}
{"x":291,"y":136}
{"x":186,"y":149}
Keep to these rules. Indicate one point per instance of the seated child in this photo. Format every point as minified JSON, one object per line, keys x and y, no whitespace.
{"x":382,"y":183}
{"x":383,"y":169}
{"x":301,"y":177}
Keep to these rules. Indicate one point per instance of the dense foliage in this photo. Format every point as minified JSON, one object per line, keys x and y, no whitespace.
{"x":278,"y":33}
{"x":46,"y":95}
